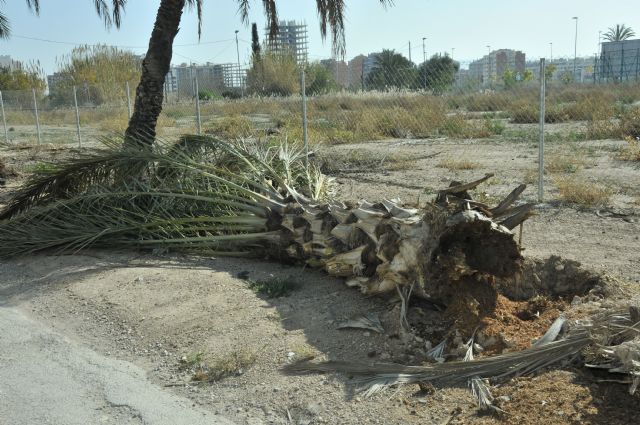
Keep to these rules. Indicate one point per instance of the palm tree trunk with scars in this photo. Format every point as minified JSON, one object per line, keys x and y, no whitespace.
{"x":381,"y":247}
{"x":155,"y":66}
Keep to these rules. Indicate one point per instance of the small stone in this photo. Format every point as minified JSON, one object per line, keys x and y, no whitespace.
{"x":576,"y":300}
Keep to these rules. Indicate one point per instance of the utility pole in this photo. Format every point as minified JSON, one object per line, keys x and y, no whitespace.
{"x":424,"y":64}
{"x":452,"y":50}
{"x":489,"y":63}
{"x":551,"y":57}
{"x":575,"y":50}
{"x":239,"y":73}
{"x":599,"y":41}
{"x":409,"y":51}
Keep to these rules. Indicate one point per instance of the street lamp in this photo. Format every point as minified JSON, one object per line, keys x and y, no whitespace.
{"x":489,"y":63}
{"x":575,"y":49}
{"x":239,"y":73}
{"x":424,"y":50}
{"x":599,"y":41}
{"x":424,"y":63}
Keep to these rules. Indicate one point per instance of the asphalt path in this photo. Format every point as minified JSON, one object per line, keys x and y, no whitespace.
{"x":46,"y":378}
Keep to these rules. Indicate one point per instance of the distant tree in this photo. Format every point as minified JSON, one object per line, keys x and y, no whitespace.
{"x":567,"y":77}
{"x":391,"y":70}
{"x":21,"y":78}
{"x":511,"y":77}
{"x":619,"y":33}
{"x":438,"y":73}
{"x":101,"y":71}
{"x":549,"y":71}
{"x":141,"y":130}
{"x":277,"y":75}
{"x":319,"y":80}
{"x":255,"y":43}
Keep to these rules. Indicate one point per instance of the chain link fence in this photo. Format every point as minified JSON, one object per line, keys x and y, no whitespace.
{"x":496,"y":100}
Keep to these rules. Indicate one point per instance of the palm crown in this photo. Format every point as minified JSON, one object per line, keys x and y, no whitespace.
{"x":619,"y":33}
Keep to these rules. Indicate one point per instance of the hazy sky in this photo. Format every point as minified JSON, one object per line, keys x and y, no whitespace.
{"x":466,"y":25}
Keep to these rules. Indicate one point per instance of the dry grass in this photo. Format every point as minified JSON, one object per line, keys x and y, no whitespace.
{"x":355,"y":161}
{"x":234,"y":363}
{"x":530,"y":176}
{"x":565,"y":163}
{"x":578,"y":191}
{"x":630,"y":152}
{"x":231,"y":127}
{"x":458,"y":164}
{"x":304,"y":352}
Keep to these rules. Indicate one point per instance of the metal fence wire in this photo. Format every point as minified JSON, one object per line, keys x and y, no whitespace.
{"x":498,"y":98}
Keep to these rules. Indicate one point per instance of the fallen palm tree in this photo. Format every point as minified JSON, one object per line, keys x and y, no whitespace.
{"x":206,"y":195}
{"x":244,"y":199}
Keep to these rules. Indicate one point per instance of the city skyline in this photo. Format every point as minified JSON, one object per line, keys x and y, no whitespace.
{"x":516,"y":29}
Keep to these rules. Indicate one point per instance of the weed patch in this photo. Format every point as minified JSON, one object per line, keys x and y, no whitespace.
{"x":580,"y":192}
{"x":458,"y":164}
{"x":232,"y":364}
{"x":274,"y":287}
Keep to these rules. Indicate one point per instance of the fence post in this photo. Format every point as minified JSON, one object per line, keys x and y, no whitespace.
{"x":75,"y":102}
{"x":35,"y":108}
{"x":4,"y":119}
{"x":126,"y":85}
{"x":304,"y":115}
{"x":198,"y":117}
{"x":541,"y":143}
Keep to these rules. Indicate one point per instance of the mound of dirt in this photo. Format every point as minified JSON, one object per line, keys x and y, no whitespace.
{"x":509,"y":314}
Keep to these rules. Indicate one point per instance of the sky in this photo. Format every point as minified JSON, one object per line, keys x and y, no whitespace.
{"x":467,"y":26}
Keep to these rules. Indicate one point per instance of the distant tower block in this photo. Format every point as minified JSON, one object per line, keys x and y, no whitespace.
{"x":290,"y":40}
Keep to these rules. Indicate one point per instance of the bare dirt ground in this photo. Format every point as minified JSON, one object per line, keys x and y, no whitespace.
{"x":168,"y":313}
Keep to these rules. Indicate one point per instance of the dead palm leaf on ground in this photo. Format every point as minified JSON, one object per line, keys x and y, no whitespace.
{"x":609,"y":341}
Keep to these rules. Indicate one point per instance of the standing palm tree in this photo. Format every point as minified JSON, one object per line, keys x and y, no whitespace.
{"x":391,"y":70}
{"x":149,"y":94}
{"x":619,"y":33}
{"x":141,"y":130}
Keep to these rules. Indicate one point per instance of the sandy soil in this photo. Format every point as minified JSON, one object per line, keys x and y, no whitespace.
{"x":159,"y":312}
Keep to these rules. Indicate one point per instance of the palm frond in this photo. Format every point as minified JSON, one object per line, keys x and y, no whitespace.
{"x":111,"y":15}
{"x":201,"y":193}
{"x":198,"y":6}
{"x":34,"y":5}
{"x":5,"y":27}
{"x":588,"y":337}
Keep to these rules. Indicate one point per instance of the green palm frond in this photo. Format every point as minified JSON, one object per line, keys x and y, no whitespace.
{"x":620,"y":32}
{"x":199,"y":193}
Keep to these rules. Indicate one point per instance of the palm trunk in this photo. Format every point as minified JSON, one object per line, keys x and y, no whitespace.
{"x":141,"y":131}
{"x":380,"y":247}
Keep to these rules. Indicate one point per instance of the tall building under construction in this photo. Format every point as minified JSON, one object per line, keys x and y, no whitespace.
{"x":291,"y":39}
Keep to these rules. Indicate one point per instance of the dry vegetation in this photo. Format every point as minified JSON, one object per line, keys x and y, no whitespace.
{"x":452,"y":164}
{"x":604,"y":111}
{"x":577,"y":190}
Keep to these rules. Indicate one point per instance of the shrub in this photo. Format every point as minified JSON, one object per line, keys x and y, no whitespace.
{"x":233,"y":127}
{"x":630,"y":123}
{"x":577,"y":191}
